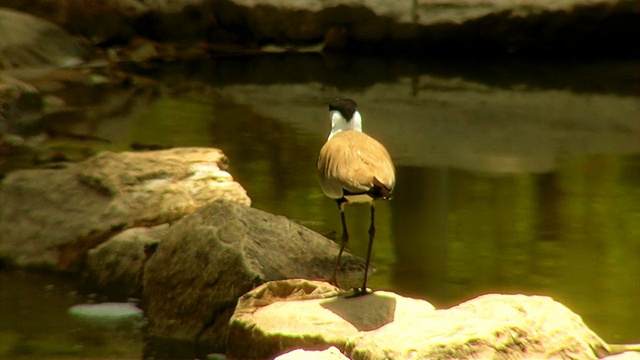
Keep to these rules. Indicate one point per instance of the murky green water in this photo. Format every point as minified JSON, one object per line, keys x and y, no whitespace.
{"x":34,"y":323}
{"x":511,"y":177}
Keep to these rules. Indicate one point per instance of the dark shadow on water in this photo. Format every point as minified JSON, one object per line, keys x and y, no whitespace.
{"x":421,"y":234}
{"x":161,"y":348}
{"x":359,"y":72}
{"x":366,"y":313}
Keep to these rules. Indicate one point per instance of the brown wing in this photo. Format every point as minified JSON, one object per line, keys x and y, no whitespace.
{"x":351,"y":160}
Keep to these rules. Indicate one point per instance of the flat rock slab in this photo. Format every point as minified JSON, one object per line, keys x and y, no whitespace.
{"x":207,"y":260}
{"x":388,"y":326}
{"x":50,"y":218}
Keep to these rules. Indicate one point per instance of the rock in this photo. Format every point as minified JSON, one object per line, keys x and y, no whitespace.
{"x":28,"y":41}
{"x":331,"y":353}
{"x":107,"y":314}
{"x":109,"y":20}
{"x":115,"y":267}
{"x":50,"y":218}
{"x":491,"y":326}
{"x":627,"y":355}
{"x":267,"y":322}
{"x":571,"y":27}
{"x":56,"y":112}
{"x":595,"y":28}
{"x":319,"y":319}
{"x":429,"y":26}
{"x":21,"y":105}
{"x":212,"y":257}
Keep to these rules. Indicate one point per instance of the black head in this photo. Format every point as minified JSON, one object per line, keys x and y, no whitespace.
{"x":346,"y":107}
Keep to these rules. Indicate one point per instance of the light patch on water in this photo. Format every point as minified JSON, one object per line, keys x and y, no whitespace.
{"x":107,"y":312}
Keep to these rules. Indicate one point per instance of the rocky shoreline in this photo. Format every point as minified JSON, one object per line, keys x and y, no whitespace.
{"x":221,"y":274}
{"x":433,"y":27}
{"x":79,"y":56}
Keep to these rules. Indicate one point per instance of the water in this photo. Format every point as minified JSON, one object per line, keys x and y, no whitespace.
{"x":512,"y":177}
{"x":35,"y":324}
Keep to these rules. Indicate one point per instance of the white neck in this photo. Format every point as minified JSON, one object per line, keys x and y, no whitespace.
{"x":339,"y":123}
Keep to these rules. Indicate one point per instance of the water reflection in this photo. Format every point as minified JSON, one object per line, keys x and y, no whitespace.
{"x":421,"y":207}
{"x":571,"y":234}
{"x":501,"y":187}
{"x":519,"y":178}
{"x":35,"y":324}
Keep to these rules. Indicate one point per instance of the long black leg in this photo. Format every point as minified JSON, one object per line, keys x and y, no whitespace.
{"x":372,"y":233}
{"x":345,"y":240}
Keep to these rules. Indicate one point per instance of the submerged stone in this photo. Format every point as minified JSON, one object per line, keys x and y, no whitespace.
{"x":107,"y":313}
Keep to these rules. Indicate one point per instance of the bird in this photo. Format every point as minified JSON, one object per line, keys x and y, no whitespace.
{"x":353,"y":167}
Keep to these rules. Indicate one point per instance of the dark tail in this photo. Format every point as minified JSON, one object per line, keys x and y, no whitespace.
{"x":380,"y":190}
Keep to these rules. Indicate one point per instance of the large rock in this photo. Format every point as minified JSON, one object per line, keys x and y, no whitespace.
{"x":491,"y":326}
{"x":275,"y":318}
{"x":115,"y":267}
{"x":50,"y":218}
{"x":212,"y":257}
{"x":627,"y":355}
{"x":28,"y":41}
{"x":20,"y":102}
{"x":552,"y":28}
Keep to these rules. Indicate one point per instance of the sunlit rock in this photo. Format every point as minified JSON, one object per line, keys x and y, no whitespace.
{"x":491,"y":326}
{"x":50,"y":218}
{"x":331,"y":353}
{"x":282,"y":316}
{"x":210,"y":258}
{"x":627,"y":355}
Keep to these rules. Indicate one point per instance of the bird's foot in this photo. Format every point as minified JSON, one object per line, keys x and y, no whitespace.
{"x":359,"y":292}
